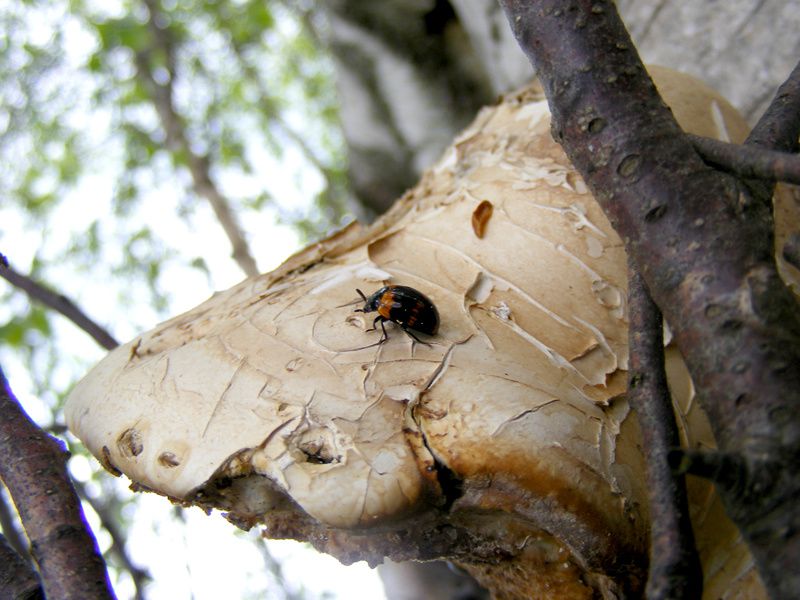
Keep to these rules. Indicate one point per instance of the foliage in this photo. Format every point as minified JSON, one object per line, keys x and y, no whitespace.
{"x":107,"y":112}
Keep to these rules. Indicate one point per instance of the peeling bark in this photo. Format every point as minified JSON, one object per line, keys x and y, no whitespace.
{"x":506,"y":445}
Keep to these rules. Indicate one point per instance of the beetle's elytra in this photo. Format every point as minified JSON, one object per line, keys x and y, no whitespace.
{"x":403,"y":305}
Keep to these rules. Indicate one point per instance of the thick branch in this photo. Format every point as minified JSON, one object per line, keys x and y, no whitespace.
{"x":199,"y":166}
{"x":704,"y":248}
{"x":33,"y":467}
{"x":779,"y":126}
{"x":674,"y":564}
{"x":17,"y":579}
{"x":749,"y":162}
{"x":59,"y":303}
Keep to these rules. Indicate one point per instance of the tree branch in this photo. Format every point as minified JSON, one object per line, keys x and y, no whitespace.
{"x":675,"y":570}
{"x":726,"y":470}
{"x":33,"y":467}
{"x":273,"y":566}
{"x":704,"y":248}
{"x":297,"y":139}
{"x":9,"y":526}
{"x":108,"y":520}
{"x":748,"y":162}
{"x":199,"y":166}
{"x":60,"y":303}
{"x":17,"y":579}
{"x":779,"y":126}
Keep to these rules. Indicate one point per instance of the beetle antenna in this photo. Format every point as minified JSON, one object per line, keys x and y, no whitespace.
{"x":363,"y":297}
{"x":348,"y":304}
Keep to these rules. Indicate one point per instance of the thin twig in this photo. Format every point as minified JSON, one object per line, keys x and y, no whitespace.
{"x":749,"y":162}
{"x":675,"y":571}
{"x":199,"y":166}
{"x":59,"y":303}
{"x":725,"y":470}
{"x":140,"y":576}
{"x":9,"y":524}
{"x":33,"y":466}
{"x":18,"y":580}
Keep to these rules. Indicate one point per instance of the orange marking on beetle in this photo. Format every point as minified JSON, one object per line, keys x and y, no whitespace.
{"x":414,"y":316}
{"x":385,"y":304}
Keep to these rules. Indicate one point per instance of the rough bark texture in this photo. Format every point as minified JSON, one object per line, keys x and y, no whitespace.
{"x":749,"y":162}
{"x":705,"y":248}
{"x":411,"y":73}
{"x":34,"y":471}
{"x":18,"y":581}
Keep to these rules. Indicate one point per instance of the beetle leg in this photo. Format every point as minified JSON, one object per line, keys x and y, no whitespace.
{"x":381,"y":320}
{"x":414,"y":337}
{"x":385,"y":335}
{"x":374,"y":327}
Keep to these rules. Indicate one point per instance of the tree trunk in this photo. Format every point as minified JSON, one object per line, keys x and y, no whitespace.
{"x":412,"y":73}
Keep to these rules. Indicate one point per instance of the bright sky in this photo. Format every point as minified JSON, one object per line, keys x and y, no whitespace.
{"x":205,"y":558}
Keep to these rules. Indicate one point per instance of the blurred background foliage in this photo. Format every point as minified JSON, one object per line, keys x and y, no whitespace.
{"x":150,"y":153}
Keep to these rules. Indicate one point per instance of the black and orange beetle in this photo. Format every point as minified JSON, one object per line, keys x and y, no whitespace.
{"x":403,"y":305}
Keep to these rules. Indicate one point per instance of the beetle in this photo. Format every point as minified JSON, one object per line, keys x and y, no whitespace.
{"x":403,"y":305}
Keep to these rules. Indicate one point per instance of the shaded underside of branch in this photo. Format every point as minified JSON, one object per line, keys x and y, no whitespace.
{"x":704,"y":247}
{"x":17,"y":579}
